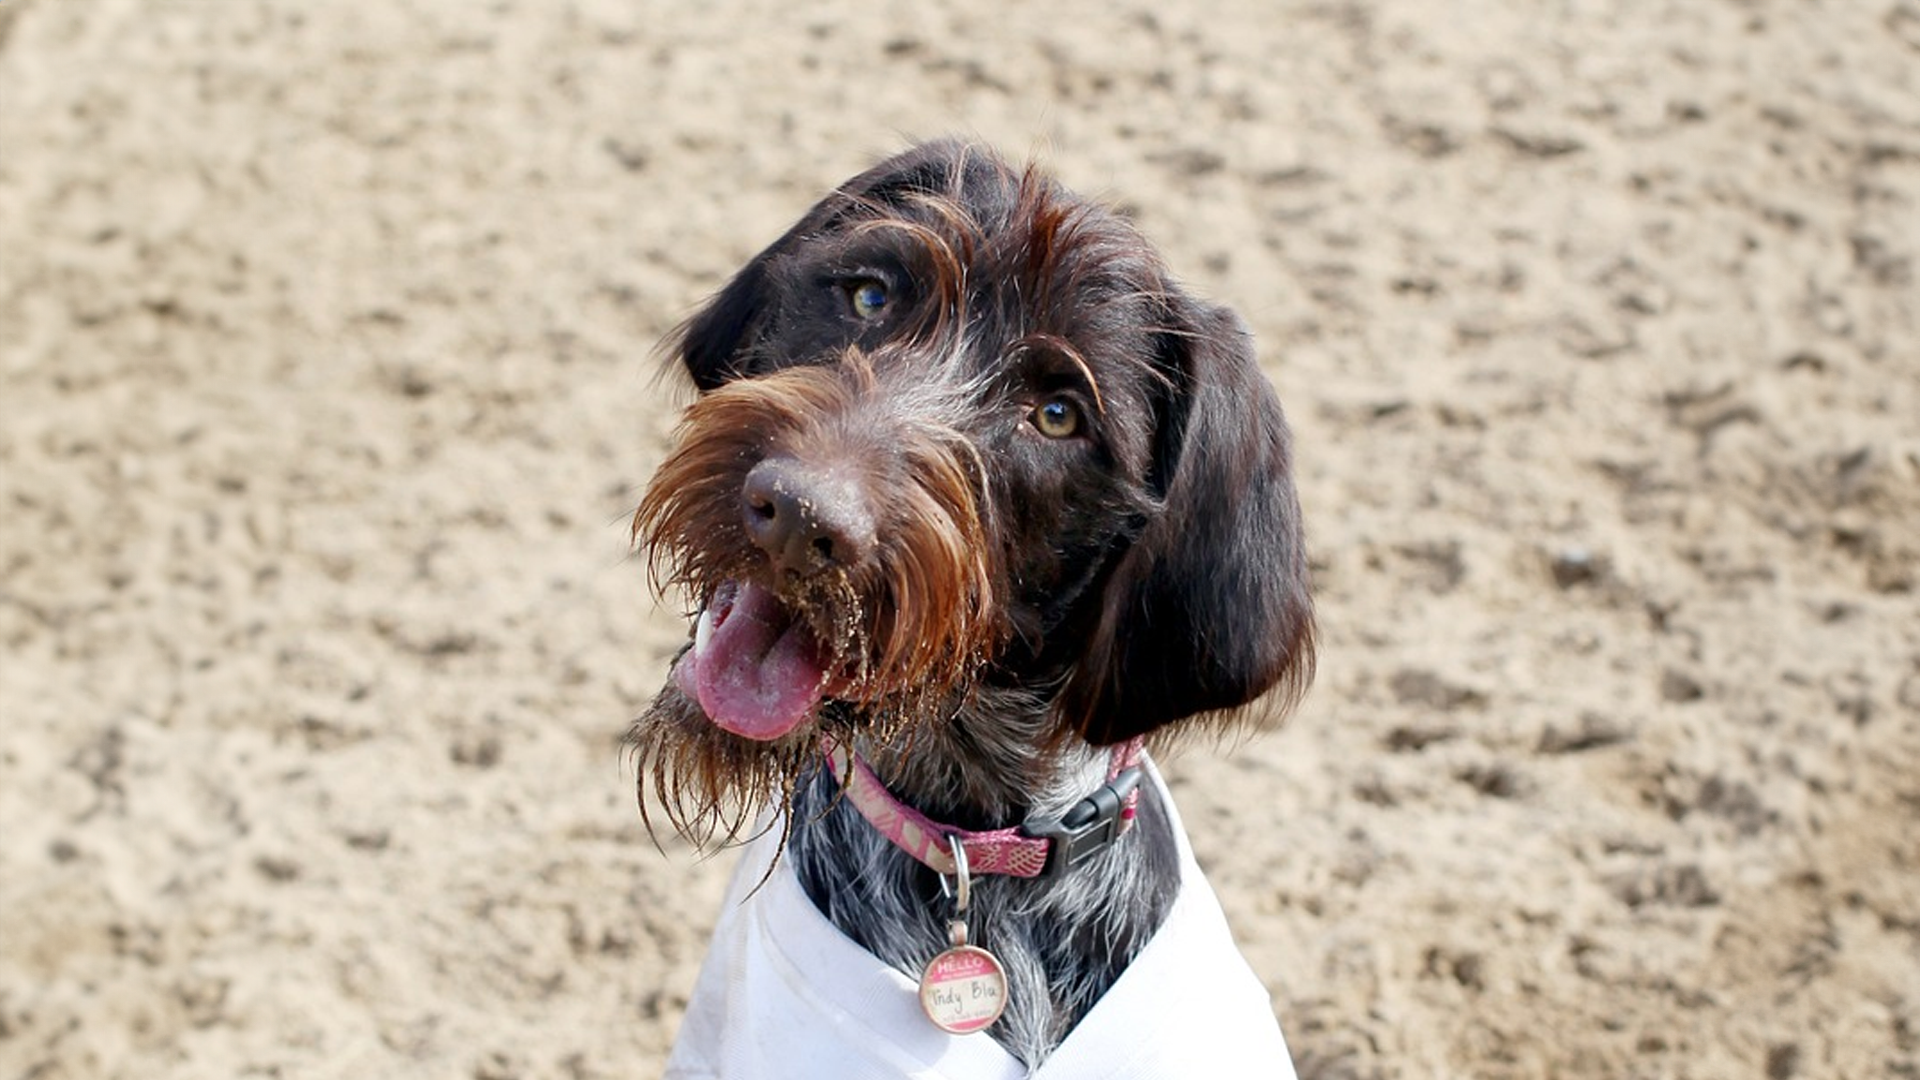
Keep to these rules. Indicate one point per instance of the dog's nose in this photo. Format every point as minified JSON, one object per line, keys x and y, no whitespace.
{"x":807,"y":518}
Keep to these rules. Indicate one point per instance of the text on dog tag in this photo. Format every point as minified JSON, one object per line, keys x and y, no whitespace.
{"x":963,"y":990}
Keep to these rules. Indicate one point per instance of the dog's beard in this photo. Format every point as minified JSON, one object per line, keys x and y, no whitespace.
{"x":711,"y":784}
{"x":716,"y":787}
{"x":714,"y":784}
{"x":895,"y":643}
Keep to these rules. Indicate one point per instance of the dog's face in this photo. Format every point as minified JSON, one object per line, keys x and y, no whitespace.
{"x":959,"y":429}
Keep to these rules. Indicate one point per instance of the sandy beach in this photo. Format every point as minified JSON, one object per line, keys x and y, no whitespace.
{"x":328,"y":386}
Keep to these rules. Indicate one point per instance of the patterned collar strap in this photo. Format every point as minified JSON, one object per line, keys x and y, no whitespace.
{"x":1041,"y":849}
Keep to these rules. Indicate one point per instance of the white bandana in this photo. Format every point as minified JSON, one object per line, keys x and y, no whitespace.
{"x":784,"y":994}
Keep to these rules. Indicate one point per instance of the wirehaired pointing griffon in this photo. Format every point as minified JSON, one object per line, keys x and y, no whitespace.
{"x":974,"y":504}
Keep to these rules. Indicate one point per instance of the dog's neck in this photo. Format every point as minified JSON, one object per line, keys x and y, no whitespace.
{"x":991,"y":765}
{"x":987,"y":766}
{"x":1033,"y":849}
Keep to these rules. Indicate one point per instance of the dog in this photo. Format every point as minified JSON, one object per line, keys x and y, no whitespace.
{"x":973,"y":503}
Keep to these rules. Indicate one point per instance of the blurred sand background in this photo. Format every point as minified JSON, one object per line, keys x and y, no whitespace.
{"x":325,"y":392}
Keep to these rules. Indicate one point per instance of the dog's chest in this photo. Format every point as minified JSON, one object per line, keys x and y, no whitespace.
{"x":784,"y":993}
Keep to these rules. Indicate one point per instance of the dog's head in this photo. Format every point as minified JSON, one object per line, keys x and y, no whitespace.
{"x":959,"y":427}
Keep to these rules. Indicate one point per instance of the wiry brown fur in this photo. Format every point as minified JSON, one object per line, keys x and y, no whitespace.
{"x":906,"y":629}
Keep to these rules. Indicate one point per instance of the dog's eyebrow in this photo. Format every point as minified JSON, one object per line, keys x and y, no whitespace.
{"x":947,"y":267}
{"x":1059,"y":346}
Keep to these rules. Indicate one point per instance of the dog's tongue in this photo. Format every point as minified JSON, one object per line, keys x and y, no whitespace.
{"x":755,"y":670}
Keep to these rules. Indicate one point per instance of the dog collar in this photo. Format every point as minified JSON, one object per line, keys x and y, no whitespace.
{"x":1044,"y":849}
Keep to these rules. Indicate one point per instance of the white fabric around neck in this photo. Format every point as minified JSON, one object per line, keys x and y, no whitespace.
{"x":783,"y":993}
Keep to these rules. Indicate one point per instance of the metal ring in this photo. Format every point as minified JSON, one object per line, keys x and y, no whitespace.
{"x":963,"y":885}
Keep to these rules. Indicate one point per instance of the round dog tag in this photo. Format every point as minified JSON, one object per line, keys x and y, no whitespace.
{"x":963,"y":990}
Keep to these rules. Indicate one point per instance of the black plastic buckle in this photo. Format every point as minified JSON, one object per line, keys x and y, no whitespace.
{"x":1087,"y":827}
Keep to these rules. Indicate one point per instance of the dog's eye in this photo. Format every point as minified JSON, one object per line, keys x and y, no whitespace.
{"x":1057,"y":418}
{"x":867,"y":298}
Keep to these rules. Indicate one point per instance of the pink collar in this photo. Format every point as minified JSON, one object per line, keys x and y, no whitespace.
{"x":1021,"y":851}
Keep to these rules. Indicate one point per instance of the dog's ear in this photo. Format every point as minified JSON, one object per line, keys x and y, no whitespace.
{"x":710,"y":343}
{"x":1210,"y":606}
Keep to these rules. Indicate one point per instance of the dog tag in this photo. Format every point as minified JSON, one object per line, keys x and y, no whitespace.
{"x":964,"y":989}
